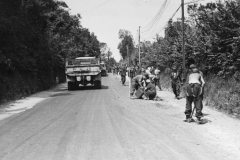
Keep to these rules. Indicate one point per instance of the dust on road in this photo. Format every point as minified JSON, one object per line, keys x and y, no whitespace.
{"x":106,"y":124}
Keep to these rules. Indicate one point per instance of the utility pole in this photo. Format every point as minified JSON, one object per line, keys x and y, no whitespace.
{"x":129,"y":77}
{"x":128,"y":57}
{"x":183,"y":41}
{"x":139,"y":58}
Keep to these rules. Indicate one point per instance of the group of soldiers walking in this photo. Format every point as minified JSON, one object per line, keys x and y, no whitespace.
{"x":145,"y":80}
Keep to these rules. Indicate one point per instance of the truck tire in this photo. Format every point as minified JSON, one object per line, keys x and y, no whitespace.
{"x":71,"y":86}
{"x":98,"y":85}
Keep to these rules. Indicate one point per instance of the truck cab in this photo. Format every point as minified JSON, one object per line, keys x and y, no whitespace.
{"x":83,"y":71}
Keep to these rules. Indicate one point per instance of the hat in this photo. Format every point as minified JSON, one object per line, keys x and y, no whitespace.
{"x":193,"y":66}
{"x":148,"y":81}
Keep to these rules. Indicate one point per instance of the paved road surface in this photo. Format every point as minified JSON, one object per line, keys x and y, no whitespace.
{"x":104,"y":124}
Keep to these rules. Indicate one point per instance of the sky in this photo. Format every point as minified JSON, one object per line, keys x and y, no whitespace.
{"x":106,"y":17}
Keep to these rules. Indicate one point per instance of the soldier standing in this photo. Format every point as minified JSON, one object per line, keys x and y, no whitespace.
{"x":176,"y":82}
{"x":123,"y":75}
{"x":195,"y":84}
{"x":157,"y":78}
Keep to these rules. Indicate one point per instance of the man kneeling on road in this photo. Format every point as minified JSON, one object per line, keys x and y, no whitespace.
{"x":149,"y":91}
{"x":194,"y":91}
{"x":138,"y":82}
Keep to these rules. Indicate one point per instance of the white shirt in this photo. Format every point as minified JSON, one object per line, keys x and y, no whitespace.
{"x":196,"y":78}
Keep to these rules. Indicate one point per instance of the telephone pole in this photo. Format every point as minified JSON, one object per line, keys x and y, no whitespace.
{"x":183,"y":40}
{"x":128,"y":57}
{"x":139,"y":58}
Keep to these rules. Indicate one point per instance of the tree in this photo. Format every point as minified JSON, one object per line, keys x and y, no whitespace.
{"x":126,"y":40}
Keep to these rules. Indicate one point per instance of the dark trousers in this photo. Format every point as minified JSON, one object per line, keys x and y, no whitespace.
{"x":123,"y":79}
{"x":157,"y":82}
{"x":150,"y":94}
{"x":201,"y":96}
{"x":193,"y":97}
{"x":176,"y":88}
{"x":134,"y":87}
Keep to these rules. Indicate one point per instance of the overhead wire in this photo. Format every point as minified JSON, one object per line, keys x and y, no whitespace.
{"x":157,"y":17}
{"x":163,"y":27}
{"x":101,"y":4}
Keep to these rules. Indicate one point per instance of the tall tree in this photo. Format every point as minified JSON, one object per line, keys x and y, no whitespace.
{"x":126,"y":40}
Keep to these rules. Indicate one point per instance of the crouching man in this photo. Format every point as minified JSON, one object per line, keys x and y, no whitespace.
{"x":137,"y":82}
{"x":195,"y":83}
{"x":150,"y":90}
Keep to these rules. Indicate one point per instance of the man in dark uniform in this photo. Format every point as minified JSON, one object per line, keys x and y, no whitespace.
{"x":176,"y":81}
{"x":195,"y":83}
{"x":123,"y":75}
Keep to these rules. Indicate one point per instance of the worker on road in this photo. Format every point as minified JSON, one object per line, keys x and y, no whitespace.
{"x":137,"y":82}
{"x":150,"y":90}
{"x":123,"y":74}
{"x":195,"y":83}
{"x":176,"y":82}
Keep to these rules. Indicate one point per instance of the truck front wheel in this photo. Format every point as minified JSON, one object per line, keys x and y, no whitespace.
{"x":71,"y":86}
{"x":98,"y":85}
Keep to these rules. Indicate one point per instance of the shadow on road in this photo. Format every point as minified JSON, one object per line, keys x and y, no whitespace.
{"x":91,"y":88}
{"x":61,"y":94}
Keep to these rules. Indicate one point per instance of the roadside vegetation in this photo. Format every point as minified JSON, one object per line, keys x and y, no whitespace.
{"x":36,"y":38}
{"x":212,"y":34}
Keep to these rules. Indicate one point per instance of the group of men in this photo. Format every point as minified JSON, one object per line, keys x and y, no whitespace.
{"x":147,"y":79}
{"x":143,"y":80}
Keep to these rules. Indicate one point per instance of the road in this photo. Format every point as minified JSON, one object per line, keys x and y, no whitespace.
{"x":105,"y":124}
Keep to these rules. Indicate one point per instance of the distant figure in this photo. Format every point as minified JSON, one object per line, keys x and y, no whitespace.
{"x":176,"y":82}
{"x":138,"y":70}
{"x":123,"y":74}
{"x":157,"y":78}
{"x":194,"y":91}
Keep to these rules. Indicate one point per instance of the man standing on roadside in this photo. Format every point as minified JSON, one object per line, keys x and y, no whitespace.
{"x":195,"y":83}
{"x":157,"y":78}
{"x":123,"y":75}
{"x":176,"y":82}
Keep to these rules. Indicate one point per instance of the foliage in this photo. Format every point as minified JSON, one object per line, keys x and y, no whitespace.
{"x":212,"y":34}
{"x":212,"y":40}
{"x":126,"y":41}
{"x":36,"y":37}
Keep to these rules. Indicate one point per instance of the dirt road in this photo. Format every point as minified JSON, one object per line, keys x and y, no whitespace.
{"x":105,"y":124}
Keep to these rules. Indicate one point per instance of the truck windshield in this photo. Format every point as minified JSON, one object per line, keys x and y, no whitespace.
{"x":76,"y":62}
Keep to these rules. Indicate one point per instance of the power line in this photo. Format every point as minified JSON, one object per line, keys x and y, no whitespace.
{"x":157,"y":16}
{"x":163,"y":27}
{"x":101,"y":4}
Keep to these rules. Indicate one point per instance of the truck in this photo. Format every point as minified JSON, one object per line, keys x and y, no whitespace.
{"x":83,"y":71}
{"x":103,"y":69}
